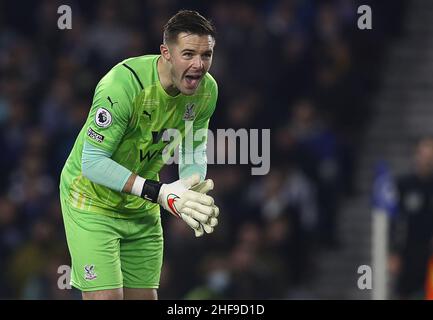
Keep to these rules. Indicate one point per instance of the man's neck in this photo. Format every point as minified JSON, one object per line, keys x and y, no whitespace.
{"x":165,"y":78}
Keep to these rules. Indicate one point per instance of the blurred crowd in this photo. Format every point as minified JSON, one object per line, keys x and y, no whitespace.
{"x":299,"y":67}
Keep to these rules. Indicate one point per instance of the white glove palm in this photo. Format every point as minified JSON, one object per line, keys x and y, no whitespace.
{"x":204,"y":187}
{"x":193,"y":207}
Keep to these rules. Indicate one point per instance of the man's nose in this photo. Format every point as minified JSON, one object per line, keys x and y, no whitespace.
{"x":198,"y":63}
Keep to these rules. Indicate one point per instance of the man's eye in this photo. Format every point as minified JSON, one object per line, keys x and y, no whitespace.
{"x":187,"y":54}
{"x":207,"y":56}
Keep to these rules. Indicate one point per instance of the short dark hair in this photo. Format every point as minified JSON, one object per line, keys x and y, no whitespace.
{"x":190,"y":22}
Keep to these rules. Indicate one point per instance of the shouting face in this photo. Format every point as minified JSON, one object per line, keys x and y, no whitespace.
{"x":189,"y":59}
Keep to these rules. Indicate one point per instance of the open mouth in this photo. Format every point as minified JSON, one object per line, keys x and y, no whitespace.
{"x":193,"y":80}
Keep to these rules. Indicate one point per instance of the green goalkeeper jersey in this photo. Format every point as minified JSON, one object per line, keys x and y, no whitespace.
{"x":129,"y":114}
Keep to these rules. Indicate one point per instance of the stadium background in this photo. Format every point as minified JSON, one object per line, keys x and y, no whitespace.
{"x":299,"y":67}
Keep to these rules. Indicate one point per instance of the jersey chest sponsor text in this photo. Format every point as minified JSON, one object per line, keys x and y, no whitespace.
{"x":156,"y":148}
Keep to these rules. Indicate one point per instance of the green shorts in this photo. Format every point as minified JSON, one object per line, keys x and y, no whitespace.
{"x":111,"y":253}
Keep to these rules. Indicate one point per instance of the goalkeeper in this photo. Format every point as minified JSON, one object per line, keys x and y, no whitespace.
{"x":109,"y":187}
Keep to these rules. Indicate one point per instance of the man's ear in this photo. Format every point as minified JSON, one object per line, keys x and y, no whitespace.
{"x":165,"y":53}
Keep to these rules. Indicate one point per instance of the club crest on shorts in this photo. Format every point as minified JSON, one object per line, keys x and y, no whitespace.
{"x":189,"y":114}
{"x":103,"y":118}
{"x":89,"y":272}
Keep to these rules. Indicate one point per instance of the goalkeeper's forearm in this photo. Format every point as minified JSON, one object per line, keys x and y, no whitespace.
{"x":99,"y":168}
{"x":129,"y":183}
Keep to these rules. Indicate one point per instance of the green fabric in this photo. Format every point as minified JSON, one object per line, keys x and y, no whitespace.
{"x":110,"y":253}
{"x":133,"y":135}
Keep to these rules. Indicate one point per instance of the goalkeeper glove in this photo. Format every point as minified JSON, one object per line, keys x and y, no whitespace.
{"x":191,"y":206}
{"x":204,"y":187}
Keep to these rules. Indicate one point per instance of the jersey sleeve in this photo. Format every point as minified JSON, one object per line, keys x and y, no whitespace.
{"x":198,"y":152}
{"x":202,"y":121}
{"x":203,"y":118}
{"x":98,"y":167}
{"x":111,"y":111}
